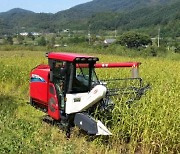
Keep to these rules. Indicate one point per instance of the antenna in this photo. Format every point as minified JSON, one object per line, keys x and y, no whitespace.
{"x":89,"y":35}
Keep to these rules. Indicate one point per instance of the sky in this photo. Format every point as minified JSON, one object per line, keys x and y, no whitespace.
{"x":47,"y":6}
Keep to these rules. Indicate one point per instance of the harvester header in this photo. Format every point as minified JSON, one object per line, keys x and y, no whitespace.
{"x":70,"y":92}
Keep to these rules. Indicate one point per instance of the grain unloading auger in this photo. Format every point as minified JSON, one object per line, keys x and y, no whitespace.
{"x":69,"y":91}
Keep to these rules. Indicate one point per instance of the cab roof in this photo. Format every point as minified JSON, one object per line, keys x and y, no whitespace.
{"x":71,"y":57}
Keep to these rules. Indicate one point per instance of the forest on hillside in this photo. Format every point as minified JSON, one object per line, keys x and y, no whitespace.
{"x":144,"y":19}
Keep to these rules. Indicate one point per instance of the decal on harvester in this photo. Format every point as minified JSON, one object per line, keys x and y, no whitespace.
{"x":36,"y":78}
{"x":77,"y":99}
{"x":95,"y":91}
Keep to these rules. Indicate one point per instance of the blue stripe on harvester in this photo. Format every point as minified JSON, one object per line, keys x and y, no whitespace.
{"x":37,"y":80}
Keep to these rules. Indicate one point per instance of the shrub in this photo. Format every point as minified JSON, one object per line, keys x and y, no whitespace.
{"x":42,"y":41}
{"x":134,"y":40}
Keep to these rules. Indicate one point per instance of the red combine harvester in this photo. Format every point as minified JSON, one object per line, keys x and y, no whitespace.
{"x":69,"y":91}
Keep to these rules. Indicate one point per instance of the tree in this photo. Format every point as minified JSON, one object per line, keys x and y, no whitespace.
{"x":31,"y":36}
{"x":9,"y":40}
{"x":77,"y":39}
{"x":177,"y":48}
{"x":20,"y":39}
{"x":51,"y":43}
{"x":42,"y":41}
{"x":134,"y":40}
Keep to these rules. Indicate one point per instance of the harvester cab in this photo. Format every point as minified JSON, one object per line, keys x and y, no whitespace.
{"x":68,"y":90}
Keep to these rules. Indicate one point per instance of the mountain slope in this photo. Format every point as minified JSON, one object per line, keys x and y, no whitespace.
{"x":103,"y":14}
{"x":143,"y":17}
{"x":16,"y":19}
{"x":99,"y":14}
{"x":19,"y":10}
{"x":118,"y":5}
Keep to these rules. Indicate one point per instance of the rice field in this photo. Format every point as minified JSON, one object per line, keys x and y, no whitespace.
{"x":151,"y":125}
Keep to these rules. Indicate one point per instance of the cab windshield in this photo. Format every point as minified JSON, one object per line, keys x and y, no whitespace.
{"x":83,"y":79}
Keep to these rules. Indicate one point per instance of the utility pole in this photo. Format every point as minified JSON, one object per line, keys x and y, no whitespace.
{"x":89,"y":35}
{"x":17,"y":30}
{"x":115,"y":33}
{"x":69,"y":33}
{"x":159,"y":37}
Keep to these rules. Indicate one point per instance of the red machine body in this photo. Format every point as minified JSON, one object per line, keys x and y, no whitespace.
{"x":53,"y":84}
{"x":115,"y":65}
{"x":42,"y":90}
{"x":43,"y":93}
{"x":39,"y":85}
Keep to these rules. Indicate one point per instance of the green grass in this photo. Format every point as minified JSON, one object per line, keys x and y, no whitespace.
{"x":151,"y":125}
{"x":113,"y":49}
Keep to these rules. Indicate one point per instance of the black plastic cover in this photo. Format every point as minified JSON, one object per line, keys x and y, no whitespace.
{"x":85,"y":122}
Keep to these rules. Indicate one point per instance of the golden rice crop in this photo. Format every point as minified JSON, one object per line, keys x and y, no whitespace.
{"x":151,"y":125}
